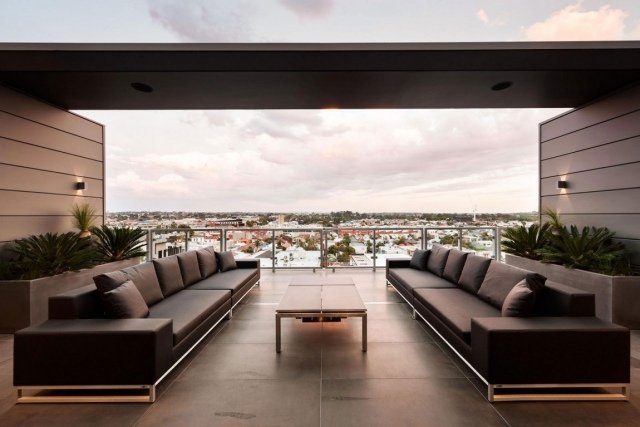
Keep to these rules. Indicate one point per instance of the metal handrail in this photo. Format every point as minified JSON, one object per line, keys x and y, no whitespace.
{"x":324,"y":233}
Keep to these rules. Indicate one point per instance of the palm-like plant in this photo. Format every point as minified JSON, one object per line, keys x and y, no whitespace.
{"x":52,"y":253}
{"x":587,"y":249}
{"x":525,"y":242}
{"x":115,"y":244}
{"x":84,"y":216}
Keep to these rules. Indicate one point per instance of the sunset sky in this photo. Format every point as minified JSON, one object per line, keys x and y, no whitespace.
{"x":320,"y":160}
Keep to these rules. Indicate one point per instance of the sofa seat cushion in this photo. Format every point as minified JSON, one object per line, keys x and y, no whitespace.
{"x":188,"y":309}
{"x":455,"y":308}
{"x":410,"y":278}
{"x":233,"y":280}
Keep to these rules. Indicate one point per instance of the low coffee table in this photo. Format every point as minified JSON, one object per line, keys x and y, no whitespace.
{"x":322,"y":298}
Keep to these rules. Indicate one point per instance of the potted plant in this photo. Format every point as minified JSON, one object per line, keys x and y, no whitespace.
{"x":588,"y":259}
{"x":42,"y":266}
{"x":84,"y":216}
{"x":116,"y":244}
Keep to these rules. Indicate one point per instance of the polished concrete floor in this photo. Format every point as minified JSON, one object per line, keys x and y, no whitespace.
{"x":407,"y":377}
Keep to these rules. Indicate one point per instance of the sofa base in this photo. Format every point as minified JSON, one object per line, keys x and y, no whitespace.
{"x":149,"y":395}
{"x":494,"y":394}
{"x":508,"y":393}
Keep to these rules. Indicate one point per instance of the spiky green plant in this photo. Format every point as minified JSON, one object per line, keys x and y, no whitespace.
{"x":84,"y":216}
{"x":553,"y":220}
{"x":115,"y":244}
{"x":50,"y":254}
{"x":525,"y":241}
{"x":590,"y":249}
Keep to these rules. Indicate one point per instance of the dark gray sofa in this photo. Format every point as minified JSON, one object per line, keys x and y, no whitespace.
{"x":559,"y":344}
{"x":187,"y":295}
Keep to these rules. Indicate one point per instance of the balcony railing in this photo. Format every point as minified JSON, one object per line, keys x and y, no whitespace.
{"x":316,"y":248}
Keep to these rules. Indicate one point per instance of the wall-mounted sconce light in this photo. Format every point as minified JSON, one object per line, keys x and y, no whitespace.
{"x":81,"y":185}
{"x":562,"y":184}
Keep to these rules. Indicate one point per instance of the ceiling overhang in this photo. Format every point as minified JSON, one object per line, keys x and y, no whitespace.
{"x":312,"y":76}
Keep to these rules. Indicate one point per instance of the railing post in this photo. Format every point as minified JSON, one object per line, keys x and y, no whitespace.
{"x":223,"y":239}
{"x":373,"y":250}
{"x":496,"y":244}
{"x":149,"y":245}
{"x":273,"y":250}
{"x":460,"y":238}
{"x":186,"y":241}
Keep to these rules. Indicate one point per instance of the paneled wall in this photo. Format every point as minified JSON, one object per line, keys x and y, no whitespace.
{"x":596,"y":149}
{"x":44,"y":151}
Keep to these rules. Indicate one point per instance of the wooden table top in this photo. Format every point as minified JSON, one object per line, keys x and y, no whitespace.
{"x":305,"y":297}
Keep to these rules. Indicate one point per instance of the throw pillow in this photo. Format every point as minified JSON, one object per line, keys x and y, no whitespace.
{"x":226,"y":261}
{"x":521,"y":300}
{"x":189,"y":267}
{"x":437,"y":259}
{"x":473,"y":272}
{"x":109,"y":281}
{"x":169,"y":275}
{"x":498,"y":282}
{"x":125,"y":302}
{"x":419,"y":259}
{"x":145,"y":278}
{"x":207,"y":262}
{"x":455,"y":264}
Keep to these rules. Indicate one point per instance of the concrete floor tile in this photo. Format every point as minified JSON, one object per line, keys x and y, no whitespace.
{"x":405,"y":402}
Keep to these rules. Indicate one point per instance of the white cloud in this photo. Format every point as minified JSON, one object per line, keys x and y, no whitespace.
{"x":482,"y":15}
{"x":310,"y":8}
{"x":575,"y":23}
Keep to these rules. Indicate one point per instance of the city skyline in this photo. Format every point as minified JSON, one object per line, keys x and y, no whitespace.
{"x":320,"y":160}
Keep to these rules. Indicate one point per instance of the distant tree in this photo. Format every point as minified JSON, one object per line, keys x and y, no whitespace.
{"x":449,"y":240}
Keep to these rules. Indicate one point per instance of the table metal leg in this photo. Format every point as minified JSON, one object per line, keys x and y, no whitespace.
{"x":277,"y":333}
{"x":364,"y":332}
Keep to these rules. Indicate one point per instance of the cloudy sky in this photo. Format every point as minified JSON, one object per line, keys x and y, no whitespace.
{"x":320,"y":160}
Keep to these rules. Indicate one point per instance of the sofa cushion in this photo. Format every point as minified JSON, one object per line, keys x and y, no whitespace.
{"x":145,"y":278}
{"x":410,"y":278}
{"x":437,"y":259}
{"x":454,"y":265}
{"x":473,"y":272}
{"x":232,"y":280}
{"x":106,"y":282}
{"x":189,"y":267}
{"x":498,"y":282}
{"x":226,"y":261}
{"x":125,"y":302}
{"x":188,"y":309}
{"x":455,"y":308}
{"x":169,"y":275}
{"x":419,"y":259}
{"x":521,"y":300}
{"x":207,"y":262}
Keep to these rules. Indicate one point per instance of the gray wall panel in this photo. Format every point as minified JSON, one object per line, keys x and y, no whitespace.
{"x":25,"y":203}
{"x":616,"y":177}
{"x":25,"y":179}
{"x":31,"y":156}
{"x":13,"y":226}
{"x":592,"y":113}
{"x":44,"y":150}
{"x":616,"y":153}
{"x":601,"y":202}
{"x":596,"y":148}
{"x":19,"y":129}
{"x":627,"y":126}
{"x":33,"y":109}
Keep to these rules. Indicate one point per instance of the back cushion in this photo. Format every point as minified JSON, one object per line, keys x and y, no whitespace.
{"x":419,"y":259}
{"x":145,"y":278}
{"x":475,"y":267}
{"x":437,"y":259}
{"x":454,"y":265}
{"x":169,"y":275}
{"x":109,"y":281}
{"x":499,"y":281}
{"x":207,"y":262}
{"x":125,"y":302}
{"x":226,"y":261}
{"x":189,"y":267}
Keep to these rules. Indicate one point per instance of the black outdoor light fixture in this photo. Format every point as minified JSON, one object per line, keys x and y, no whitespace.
{"x":142,"y":87}
{"x":562,"y":184}
{"x":81,"y":185}
{"x":502,"y":85}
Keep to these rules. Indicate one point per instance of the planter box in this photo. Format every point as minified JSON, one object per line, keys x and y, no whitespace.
{"x":26,"y":302}
{"x":617,"y":297}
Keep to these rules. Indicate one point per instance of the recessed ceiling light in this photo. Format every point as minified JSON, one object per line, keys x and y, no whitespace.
{"x":502,"y":85}
{"x":142,"y":87}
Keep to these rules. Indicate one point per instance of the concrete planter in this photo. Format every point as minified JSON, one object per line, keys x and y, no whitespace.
{"x":26,"y":302}
{"x":617,"y":297}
